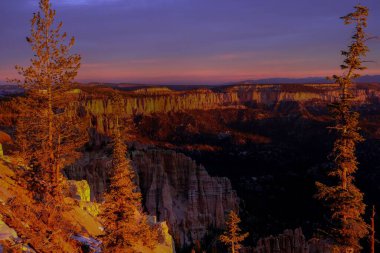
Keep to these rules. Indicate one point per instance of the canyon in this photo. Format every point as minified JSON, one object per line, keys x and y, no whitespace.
{"x":165,"y":100}
{"x":201,"y":152}
{"x":175,"y":189}
{"x":269,"y":140}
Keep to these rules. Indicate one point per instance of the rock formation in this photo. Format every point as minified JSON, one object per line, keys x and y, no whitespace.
{"x":289,"y":242}
{"x":10,"y":188}
{"x":6,"y":232}
{"x":181,"y":192}
{"x":163,"y":100}
{"x":4,"y":138}
{"x":93,"y":167}
{"x":175,"y":189}
{"x":83,"y":214}
{"x":79,"y":190}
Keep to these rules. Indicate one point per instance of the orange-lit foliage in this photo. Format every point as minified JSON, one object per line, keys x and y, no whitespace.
{"x":343,"y":199}
{"x":40,"y":226}
{"x":121,"y":213}
{"x":47,"y":135}
{"x":48,"y":132}
{"x":7,"y":116}
{"x":233,"y":236}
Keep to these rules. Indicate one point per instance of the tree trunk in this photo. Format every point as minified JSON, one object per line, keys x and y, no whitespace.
{"x":373,"y":230}
{"x":50,"y":140}
{"x":344,"y":179}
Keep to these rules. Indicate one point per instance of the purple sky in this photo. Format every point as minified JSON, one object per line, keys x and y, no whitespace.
{"x":193,"y":41}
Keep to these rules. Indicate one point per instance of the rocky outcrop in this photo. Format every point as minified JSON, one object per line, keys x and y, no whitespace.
{"x":4,"y":138}
{"x":79,"y":190}
{"x":10,"y":188}
{"x":93,"y":167}
{"x":154,"y":100}
{"x":6,"y":232}
{"x":163,"y":100}
{"x":181,"y":192}
{"x":175,"y":189}
{"x":289,"y":242}
{"x":275,"y":94}
{"x":80,"y":215}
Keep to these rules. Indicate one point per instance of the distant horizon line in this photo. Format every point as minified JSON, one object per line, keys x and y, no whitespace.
{"x":281,"y":80}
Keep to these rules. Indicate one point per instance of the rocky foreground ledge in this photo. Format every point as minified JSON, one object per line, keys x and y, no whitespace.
{"x":83,"y":213}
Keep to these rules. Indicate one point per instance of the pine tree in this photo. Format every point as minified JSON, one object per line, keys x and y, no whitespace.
{"x":124,"y":223}
{"x":48,"y":132}
{"x":48,"y":128}
{"x":342,"y":198}
{"x":233,"y":236}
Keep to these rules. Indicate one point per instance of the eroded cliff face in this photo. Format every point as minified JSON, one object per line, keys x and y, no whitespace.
{"x":274,"y":94}
{"x":147,"y":101}
{"x":289,"y":241}
{"x":178,"y":190}
{"x":155,"y":100}
{"x":175,"y":189}
{"x":94,"y":167}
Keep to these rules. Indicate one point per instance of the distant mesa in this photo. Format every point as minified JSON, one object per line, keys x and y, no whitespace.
{"x":153,"y":90}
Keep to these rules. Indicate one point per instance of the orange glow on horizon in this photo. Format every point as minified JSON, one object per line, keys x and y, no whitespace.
{"x":153,"y":72}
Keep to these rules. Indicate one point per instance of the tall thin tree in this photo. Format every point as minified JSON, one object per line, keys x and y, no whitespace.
{"x":125,"y":225}
{"x":342,"y":198}
{"x":233,"y":235}
{"x":48,"y":129}
{"x":48,"y":132}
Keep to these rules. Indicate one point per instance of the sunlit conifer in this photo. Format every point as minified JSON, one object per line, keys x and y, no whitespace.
{"x":342,"y":198}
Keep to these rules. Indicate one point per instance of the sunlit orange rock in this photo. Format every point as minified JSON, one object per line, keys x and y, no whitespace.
{"x":4,"y":138}
{"x":164,"y":100}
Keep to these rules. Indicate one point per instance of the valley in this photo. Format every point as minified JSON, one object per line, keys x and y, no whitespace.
{"x":199,"y":153}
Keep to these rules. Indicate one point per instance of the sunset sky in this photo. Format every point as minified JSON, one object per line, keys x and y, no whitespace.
{"x":193,"y":41}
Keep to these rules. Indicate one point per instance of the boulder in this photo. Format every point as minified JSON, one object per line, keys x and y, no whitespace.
{"x":6,"y":233}
{"x":4,"y":138}
{"x":79,"y":190}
